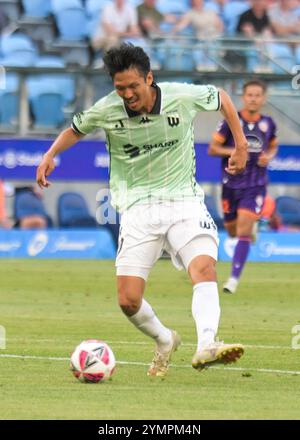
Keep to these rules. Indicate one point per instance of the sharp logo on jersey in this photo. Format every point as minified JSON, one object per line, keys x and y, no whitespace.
{"x":167,"y":144}
{"x":173,"y":121}
{"x":145,"y":120}
{"x":132,"y":150}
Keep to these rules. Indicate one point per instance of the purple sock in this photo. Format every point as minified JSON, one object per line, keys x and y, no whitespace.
{"x":240,"y":256}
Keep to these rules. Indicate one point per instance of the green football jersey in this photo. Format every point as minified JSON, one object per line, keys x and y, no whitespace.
{"x":152,"y":156}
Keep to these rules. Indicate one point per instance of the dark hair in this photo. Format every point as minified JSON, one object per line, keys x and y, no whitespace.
{"x":127,"y":56}
{"x":255,"y":82}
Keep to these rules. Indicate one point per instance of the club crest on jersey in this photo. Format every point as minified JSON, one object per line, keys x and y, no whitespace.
{"x":263,"y":126}
{"x":173,"y":120}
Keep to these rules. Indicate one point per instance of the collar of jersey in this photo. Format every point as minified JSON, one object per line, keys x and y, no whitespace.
{"x":156,"y":108}
{"x":248,"y":117}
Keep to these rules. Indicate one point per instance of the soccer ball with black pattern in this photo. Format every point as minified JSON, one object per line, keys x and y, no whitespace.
{"x":92,"y":361}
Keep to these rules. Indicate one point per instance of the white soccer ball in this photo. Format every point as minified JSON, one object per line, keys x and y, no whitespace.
{"x":92,"y":361}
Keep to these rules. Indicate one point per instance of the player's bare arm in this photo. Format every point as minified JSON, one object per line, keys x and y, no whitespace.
{"x":266,"y":156}
{"x":238,"y":158}
{"x":218,"y":149}
{"x":65,"y":140}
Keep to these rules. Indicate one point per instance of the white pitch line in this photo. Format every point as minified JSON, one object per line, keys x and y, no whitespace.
{"x":184,"y":344}
{"x":142,"y":364}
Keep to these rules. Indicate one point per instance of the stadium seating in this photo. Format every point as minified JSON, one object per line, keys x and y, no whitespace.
{"x":71,"y":23}
{"x":47,"y":109}
{"x":11,"y":8}
{"x":231,"y":14}
{"x":283,"y":57}
{"x":213,"y":210}
{"x":288,"y":208}
{"x":72,"y":212}
{"x":18,"y":50}
{"x":27,"y":203}
{"x":9,"y":101}
{"x":36,"y":8}
{"x":58,"y":5}
{"x":61,"y":83}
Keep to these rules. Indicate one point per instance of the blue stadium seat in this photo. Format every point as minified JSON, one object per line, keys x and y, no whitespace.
{"x":57,"y":82}
{"x":231,"y":14}
{"x":9,"y":100}
{"x":73,"y":212}
{"x":177,"y":7}
{"x":27,"y":203}
{"x":9,"y":108}
{"x":47,"y":109}
{"x":213,"y":210}
{"x":58,"y":5}
{"x":36,"y":8}
{"x":175,"y":57}
{"x":18,"y":50}
{"x":288,"y":208}
{"x":11,"y":9}
{"x":283,"y":56}
{"x":72,"y":23}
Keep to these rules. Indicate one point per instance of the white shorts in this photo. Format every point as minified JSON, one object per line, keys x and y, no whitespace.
{"x":183,"y":229}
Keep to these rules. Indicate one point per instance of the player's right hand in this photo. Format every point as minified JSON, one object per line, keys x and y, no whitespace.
{"x":237,"y":162}
{"x":45,"y":168}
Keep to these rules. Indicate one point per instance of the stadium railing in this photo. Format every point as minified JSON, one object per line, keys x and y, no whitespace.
{"x":226,"y":59}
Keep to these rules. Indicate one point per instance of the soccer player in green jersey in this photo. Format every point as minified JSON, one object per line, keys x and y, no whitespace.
{"x":149,"y":132}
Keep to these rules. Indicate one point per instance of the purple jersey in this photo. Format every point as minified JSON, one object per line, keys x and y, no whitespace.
{"x":259,"y":135}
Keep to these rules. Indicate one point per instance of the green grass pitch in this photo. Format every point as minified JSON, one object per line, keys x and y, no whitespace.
{"x":48,"y":307}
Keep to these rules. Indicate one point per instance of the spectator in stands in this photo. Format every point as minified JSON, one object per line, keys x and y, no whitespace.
{"x":118,"y":21}
{"x":255,"y":21}
{"x":206,"y":22}
{"x":150,"y":19}
{"x":207,"y":26}
{"x":285,"y":22}
{"x":4,"y":221}
{"x":29,"y":209}
{"x":255,"y":25}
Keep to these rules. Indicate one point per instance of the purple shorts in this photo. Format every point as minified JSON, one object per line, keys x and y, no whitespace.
{"x":247,"y":199}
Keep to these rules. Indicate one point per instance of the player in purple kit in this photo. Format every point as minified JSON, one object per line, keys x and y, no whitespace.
{"x":243,"y":195}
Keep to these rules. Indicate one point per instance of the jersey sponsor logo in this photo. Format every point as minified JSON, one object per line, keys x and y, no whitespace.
{"x":134,"y":151}
{"x":167,"y":144}
{"x":254,"y":144}
{"x":145,"y":120}
{"x":131,"y":150}
{"x":173,"y":121}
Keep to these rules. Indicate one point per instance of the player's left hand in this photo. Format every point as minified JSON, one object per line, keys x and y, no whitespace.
{"x":237,"y":161}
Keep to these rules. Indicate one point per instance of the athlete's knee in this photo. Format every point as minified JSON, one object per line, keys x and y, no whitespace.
{"x":129,"y":303}
{"x":202,"y":269}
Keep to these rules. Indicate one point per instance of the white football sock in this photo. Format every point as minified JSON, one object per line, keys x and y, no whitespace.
{"x":148,"y":323}
{"x":206,"y":312}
